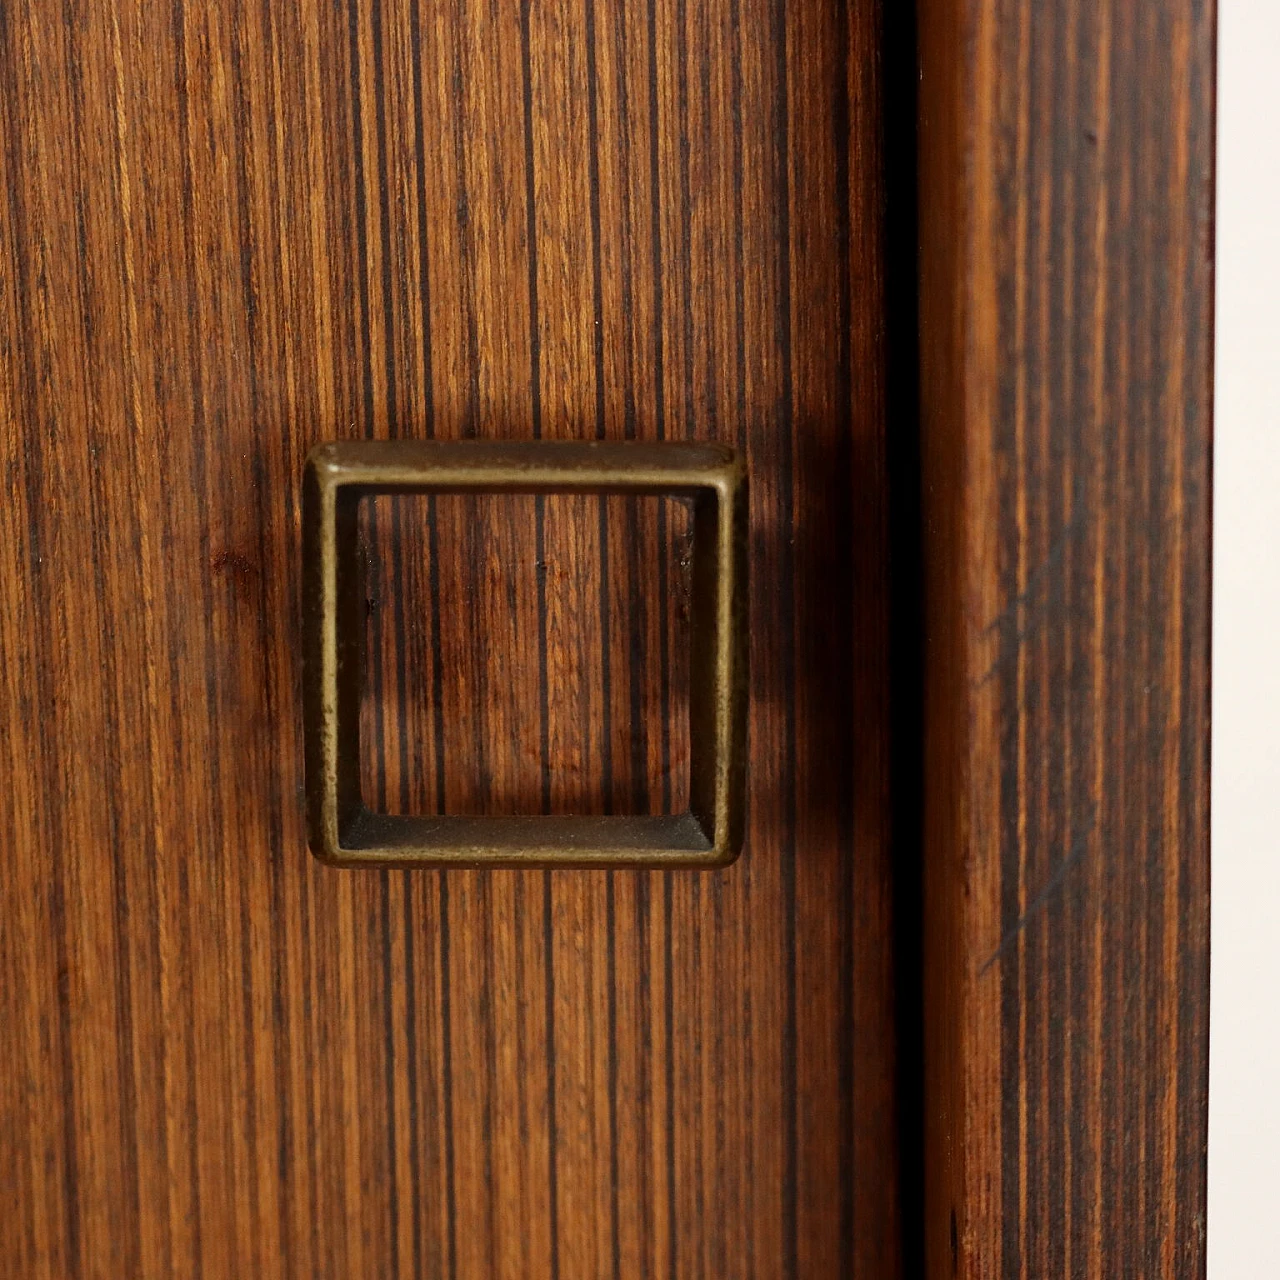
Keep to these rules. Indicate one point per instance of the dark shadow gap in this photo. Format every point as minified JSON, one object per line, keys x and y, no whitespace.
{"x":906,"y":601}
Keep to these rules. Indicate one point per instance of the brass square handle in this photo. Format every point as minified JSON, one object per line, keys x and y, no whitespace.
{"x":343,"y":832}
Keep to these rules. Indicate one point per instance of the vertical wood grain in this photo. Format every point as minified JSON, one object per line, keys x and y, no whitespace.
{"x":1066,"y":301}
{"x":230,"y":230}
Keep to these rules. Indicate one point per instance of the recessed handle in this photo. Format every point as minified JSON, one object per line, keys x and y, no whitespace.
{"x":343,"y":832}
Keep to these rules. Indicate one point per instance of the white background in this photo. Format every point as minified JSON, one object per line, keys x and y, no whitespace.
{"x":1244,"y":1019}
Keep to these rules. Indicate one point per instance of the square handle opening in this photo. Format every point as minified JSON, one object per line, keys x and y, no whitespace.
{"x":342,"y":831}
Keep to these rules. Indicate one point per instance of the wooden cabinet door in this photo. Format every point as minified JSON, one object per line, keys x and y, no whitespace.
{"x":945,"y":281}
{"x":232,"y":230}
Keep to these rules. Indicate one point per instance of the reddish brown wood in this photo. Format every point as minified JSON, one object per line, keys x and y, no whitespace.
{"x":232,"y":229}
{"x":1066,"y":299}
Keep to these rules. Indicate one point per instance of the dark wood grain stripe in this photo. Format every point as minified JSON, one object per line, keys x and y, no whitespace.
{"x":394,"y":427}
{"x":249,"y":303}
{"x":200,"y":476}
{"x":786,"y":518}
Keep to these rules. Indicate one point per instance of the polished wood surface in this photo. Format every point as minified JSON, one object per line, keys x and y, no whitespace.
{"x":230,"y":230}
{"x":1067,"y":244}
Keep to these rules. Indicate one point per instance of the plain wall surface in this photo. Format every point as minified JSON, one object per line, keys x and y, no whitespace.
{"x":1244,"y":1019}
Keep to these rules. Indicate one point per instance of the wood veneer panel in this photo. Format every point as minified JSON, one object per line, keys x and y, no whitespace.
{"x":1066,"y":230}
{"x":230,"y":230}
